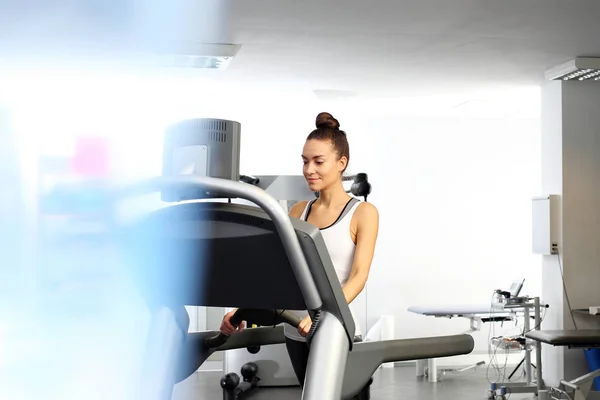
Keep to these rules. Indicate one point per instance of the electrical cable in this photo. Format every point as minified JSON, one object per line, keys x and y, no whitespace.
{"x":562,"y":275}
{"x":491,"y":333}
{"x":538,"y":325}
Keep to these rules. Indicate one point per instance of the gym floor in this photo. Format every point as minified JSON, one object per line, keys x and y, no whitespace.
{"x":389,"y":384}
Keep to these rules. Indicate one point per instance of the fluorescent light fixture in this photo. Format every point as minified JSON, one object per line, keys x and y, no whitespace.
{"x":198,"y":55}
{"x":579,"y":68}
{"x":324,"y":94}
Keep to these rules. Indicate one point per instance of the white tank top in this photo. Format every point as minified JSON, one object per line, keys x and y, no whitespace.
{"x":341,"y":248}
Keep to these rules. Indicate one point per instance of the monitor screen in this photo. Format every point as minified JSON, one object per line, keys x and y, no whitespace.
{"x":516,"y":286}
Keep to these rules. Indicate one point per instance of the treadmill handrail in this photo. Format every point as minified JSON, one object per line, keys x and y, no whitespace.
{"x":233,"y":189}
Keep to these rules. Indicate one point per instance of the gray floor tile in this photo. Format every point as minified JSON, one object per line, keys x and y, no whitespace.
{"x":397,"y":383}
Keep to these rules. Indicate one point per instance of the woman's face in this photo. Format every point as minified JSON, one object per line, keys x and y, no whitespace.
{"x":322,"y":168}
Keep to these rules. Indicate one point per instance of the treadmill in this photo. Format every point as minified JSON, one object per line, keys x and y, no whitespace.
{"x":230,"y":255}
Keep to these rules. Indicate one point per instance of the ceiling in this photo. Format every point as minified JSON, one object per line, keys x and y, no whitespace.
{"x":402,"y":47}
{"x":379,"y":48}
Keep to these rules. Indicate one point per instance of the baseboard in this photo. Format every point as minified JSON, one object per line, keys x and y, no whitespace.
{"x":211,"y":366}
{"x":470,"y":359}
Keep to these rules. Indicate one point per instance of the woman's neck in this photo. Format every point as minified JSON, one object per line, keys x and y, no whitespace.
{"x":333,"y":195}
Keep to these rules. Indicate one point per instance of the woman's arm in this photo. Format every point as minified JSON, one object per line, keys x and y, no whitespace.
{"x":367,"y":228}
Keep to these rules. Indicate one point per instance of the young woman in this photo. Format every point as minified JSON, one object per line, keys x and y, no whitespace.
{"x":349,"y":227}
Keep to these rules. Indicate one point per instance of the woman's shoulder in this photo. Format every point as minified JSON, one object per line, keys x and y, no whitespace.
{"x":298,"y":208}
{"x":366,"y":211}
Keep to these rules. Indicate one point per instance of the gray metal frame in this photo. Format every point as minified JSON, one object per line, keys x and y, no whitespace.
{"x":577,"y":389}
{"x":286,"y":187}
{"x":327,"y":360}
{"x":529,"y":386}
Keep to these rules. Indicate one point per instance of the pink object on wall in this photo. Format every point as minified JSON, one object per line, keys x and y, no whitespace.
{"x":91,"y":158}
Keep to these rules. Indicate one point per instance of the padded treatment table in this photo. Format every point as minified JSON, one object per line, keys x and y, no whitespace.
{"x":586,"y":338}
{"x":579,"y":388}
{"x":457,"y":310}
{"x":476,"y":313}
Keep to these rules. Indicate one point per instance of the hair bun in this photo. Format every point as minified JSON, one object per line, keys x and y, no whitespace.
{"x":326,"y":120}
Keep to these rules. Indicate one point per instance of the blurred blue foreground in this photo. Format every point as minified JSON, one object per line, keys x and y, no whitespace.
{"x":72,"y":325}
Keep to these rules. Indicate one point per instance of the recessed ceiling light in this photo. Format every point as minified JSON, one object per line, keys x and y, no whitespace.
{"x":579,"y":68}
{"x":334,"y":94}
{"x":197,"y":55}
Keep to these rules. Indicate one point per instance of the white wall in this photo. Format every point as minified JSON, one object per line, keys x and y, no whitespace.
{"x":454,"y":200}
{"x":453,"y":193}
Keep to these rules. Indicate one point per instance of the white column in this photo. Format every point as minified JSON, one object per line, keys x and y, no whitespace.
{"x":571,"y":169}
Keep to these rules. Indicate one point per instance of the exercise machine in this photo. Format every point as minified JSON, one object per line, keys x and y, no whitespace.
{"x":275,"y":368}
{"x":174,"y":257}
{"x":186,"y":146}
{"x":229,"y":255}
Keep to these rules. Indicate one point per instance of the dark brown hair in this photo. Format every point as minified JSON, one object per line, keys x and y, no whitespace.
{"x":328,"y":128}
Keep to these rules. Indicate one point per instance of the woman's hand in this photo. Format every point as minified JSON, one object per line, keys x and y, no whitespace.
{"x":227,"y":328}
{"x":304,"y":326}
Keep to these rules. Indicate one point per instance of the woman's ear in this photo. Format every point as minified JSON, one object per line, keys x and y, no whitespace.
{"x":342,"y":163}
